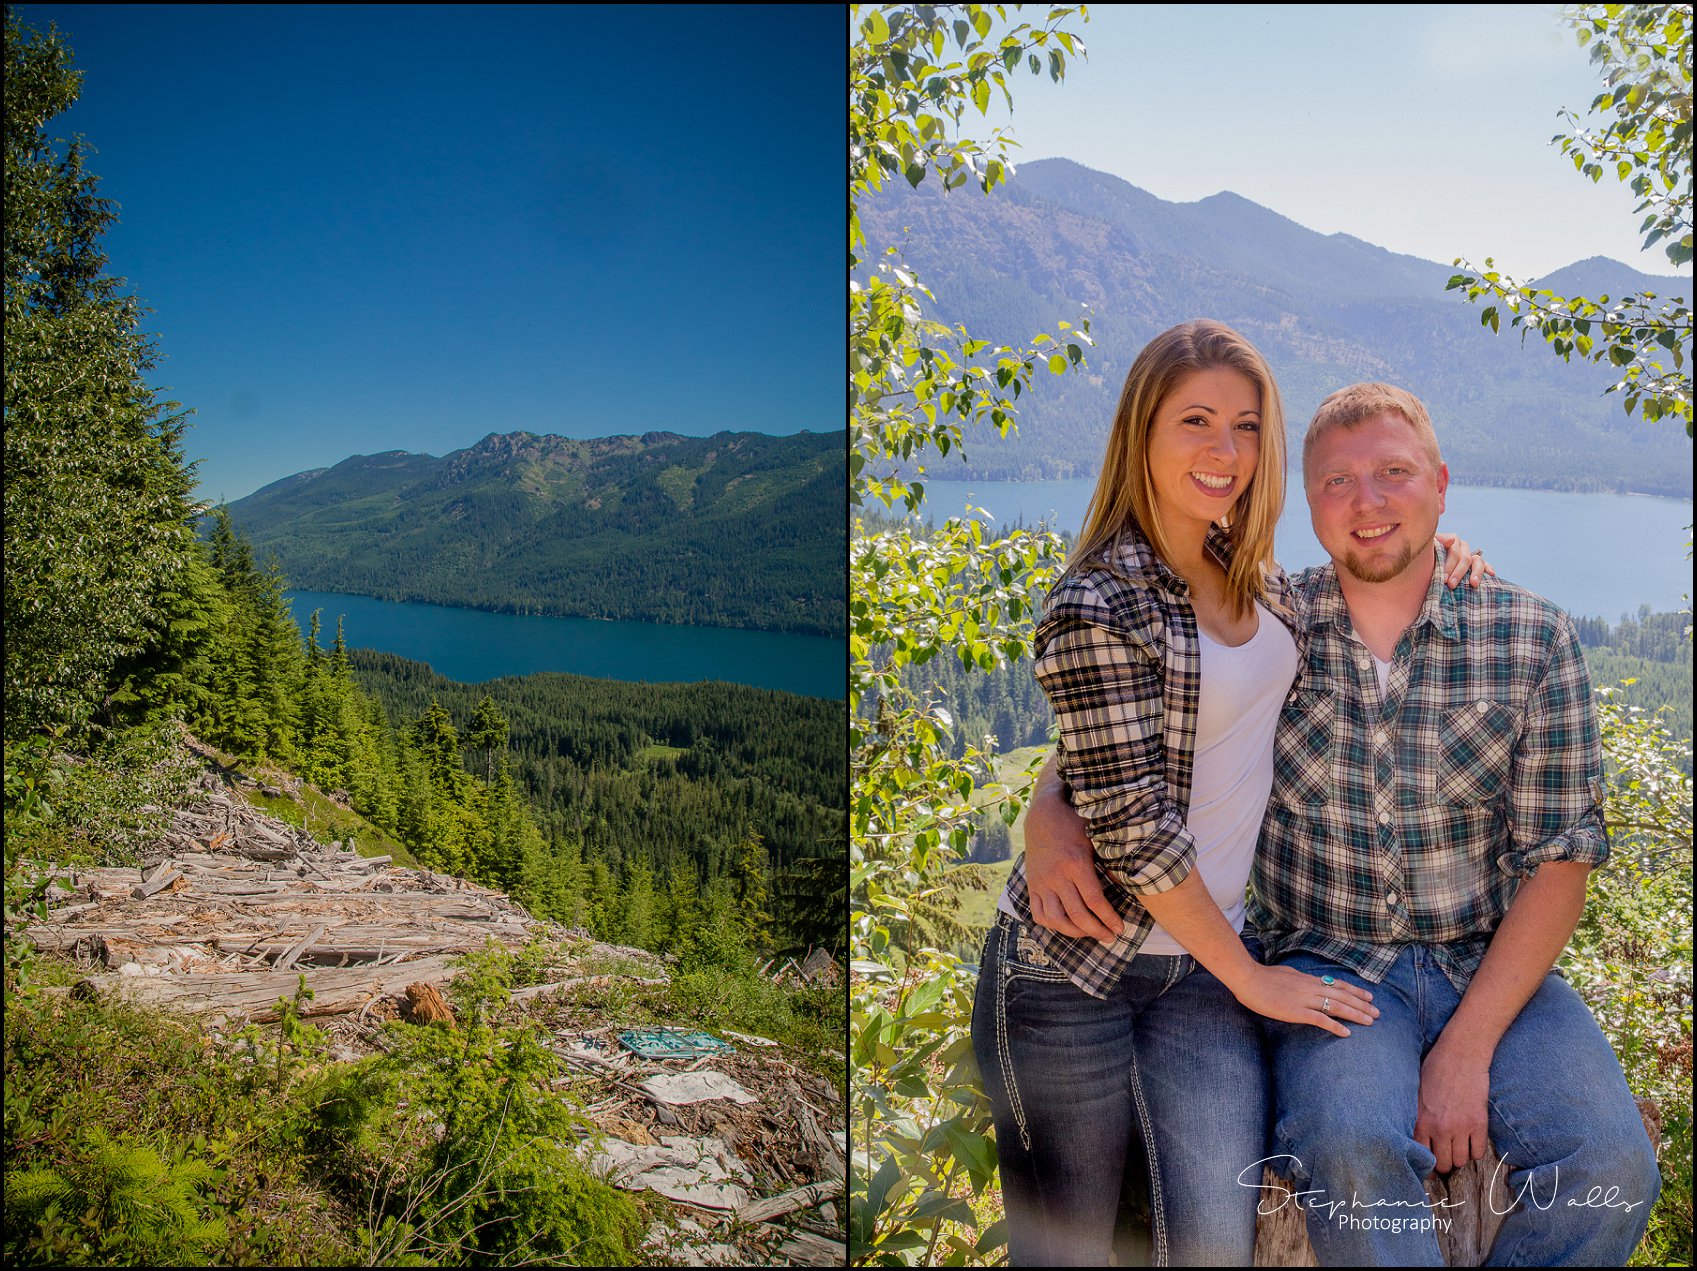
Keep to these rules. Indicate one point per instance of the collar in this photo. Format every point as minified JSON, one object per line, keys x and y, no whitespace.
{"x":1136,"y":559}
{"x":1438,"y":610}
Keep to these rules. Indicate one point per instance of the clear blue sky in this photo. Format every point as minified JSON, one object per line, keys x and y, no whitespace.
{"x":1421,"y":128}
{"x":403,"y":228}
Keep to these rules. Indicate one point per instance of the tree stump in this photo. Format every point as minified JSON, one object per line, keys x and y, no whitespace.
{"x":1281,"y":1237}
{"x":425,"y":1006}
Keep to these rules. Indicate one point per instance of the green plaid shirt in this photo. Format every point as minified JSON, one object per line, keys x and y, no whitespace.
{"x":1410,"y":817}
{"x":1117,"y":654}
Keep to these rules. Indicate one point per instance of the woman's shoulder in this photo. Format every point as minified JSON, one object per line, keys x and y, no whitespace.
{"x":1112,"y":592}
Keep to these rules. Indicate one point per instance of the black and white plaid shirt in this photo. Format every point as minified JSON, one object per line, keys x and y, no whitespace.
{"x":1117,"y":654}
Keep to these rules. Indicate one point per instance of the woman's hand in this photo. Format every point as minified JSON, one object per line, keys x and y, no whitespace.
{"x":1282,"y":992}
{"x":1463,"y":561}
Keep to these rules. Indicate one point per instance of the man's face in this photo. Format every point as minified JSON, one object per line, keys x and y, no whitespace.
{"x":1375,"y":497}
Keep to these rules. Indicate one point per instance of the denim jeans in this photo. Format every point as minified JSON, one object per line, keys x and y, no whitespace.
{"x":1169,"y":1062}
{"x":1560,"y":1115}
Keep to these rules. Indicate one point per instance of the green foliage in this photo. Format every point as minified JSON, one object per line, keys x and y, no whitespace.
{"x":117,"y":1201}
{"x":465,"y":1150}
{"x":738,"y":761}
{"x":108,"y":803}
{"x":187,"y":1132}
{"x":1644,"y":55}
{"x":97,"y":503}
{"x":920,"y":1125}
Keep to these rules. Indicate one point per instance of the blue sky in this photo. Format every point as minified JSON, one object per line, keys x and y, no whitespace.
{"x":403,"y":228}
{"x":1421,"y":128}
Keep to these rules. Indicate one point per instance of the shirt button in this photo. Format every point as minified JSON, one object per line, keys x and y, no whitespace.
{"x":1481,"y":706}
{"x":1364,"y":664}
{"x":1379,"y":736}
{"x":1292,"y":696}
{"x":1384,"y":818}
{"x":1390,"y":898}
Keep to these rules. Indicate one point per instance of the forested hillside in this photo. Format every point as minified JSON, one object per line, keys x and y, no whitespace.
{"x":1326,"y":310}
{"x":663,"y":792}
{"x":733,"y":530}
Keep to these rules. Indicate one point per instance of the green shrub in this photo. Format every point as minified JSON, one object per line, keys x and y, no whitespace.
{"x":101,"y":1096}
{"x":463,"y":1149}
{"x":115,"y":1200}
{"x":105,"y":805}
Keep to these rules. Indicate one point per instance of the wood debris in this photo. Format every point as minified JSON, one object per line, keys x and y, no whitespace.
{"x":232,"y":905}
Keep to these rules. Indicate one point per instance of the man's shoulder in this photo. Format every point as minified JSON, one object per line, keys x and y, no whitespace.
{"x":1308,"y":583}
{"x":1497,"y":610}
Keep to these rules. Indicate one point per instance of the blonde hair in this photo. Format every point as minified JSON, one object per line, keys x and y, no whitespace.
{"x":1125,"y":491}
{"x":1349,"y":407}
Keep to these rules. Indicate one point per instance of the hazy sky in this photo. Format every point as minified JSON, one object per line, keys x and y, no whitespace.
{"x":1421,"y":128}
{"x":403,"y":228}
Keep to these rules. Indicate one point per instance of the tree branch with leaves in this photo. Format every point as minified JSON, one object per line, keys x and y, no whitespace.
{"x":1644,"y":54}
{"x":917,"y":386}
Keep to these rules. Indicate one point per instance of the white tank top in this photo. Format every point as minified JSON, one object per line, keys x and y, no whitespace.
{"x":1243,"y":690}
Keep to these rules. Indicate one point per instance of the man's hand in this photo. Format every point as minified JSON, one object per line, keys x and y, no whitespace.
{"x":1452,"y":1119}
{"x":1060,"y":868}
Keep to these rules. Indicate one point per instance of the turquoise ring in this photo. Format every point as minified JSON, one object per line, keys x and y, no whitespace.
{"x":1326,"y":979}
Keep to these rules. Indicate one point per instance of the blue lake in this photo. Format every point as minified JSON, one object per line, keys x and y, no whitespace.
{"x":471,"y":646}
{"x":1596,"y":555}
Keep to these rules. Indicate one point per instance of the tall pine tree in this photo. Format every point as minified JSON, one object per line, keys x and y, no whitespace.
{"x":98,"y":508}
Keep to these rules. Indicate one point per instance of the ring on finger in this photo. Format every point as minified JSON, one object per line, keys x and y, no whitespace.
{"x":1325,"y":1006}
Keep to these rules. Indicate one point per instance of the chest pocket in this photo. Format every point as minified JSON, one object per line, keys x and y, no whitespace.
{"x":1475,"y":744}
{"x":1303,"y":745}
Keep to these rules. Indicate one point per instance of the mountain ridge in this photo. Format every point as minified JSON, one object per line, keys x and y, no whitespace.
{"x":716,"y":531}
{"x":1325,"y":309}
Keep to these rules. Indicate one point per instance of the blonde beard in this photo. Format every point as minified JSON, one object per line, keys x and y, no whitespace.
{"x":1359,"y":569}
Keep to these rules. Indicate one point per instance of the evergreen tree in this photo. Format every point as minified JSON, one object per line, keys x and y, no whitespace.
{"x":98,"y":508}
{"x":638,"y":908}
{"x":748,"y":887}
{"x":488,"y":736}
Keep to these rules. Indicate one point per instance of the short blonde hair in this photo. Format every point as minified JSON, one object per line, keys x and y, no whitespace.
{"x":1125,"y":491}
{"x":1358,"y":403}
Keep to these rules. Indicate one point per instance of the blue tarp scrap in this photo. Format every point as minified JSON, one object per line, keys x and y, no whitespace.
{"x":672,"y":1043}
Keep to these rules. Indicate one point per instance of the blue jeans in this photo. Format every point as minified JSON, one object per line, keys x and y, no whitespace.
{"x":1560,"y":1115}
{"x":1170,"y":1058}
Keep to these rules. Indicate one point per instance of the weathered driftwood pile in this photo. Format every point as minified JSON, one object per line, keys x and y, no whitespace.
{"x":232,"y":905}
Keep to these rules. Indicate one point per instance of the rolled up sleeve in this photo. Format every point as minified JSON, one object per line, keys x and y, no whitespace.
{"x":1556,"y":779}
{"x":1106,"y":687}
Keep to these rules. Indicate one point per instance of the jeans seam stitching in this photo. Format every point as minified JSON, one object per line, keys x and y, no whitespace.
{"x":1157,"y":1202}
{"x":1003,"y":1049}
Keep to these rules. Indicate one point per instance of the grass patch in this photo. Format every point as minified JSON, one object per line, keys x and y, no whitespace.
{"x":328,"y":821}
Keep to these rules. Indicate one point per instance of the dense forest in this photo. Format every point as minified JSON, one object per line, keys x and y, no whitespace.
{"x":732,"y":530}
{"x":661,"y":786}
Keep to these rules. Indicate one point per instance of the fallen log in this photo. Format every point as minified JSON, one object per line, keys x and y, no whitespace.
{"x":161,"y":879}
{"x":253,"y":995}
{"x":294,"y":951}
{"x":788,"y":1202}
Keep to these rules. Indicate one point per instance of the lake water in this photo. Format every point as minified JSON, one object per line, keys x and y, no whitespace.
{"x":471,"y":646}
{"x":1596,"y":555}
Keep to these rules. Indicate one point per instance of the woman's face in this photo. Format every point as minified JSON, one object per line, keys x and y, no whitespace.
{"x":1204,"y":443}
